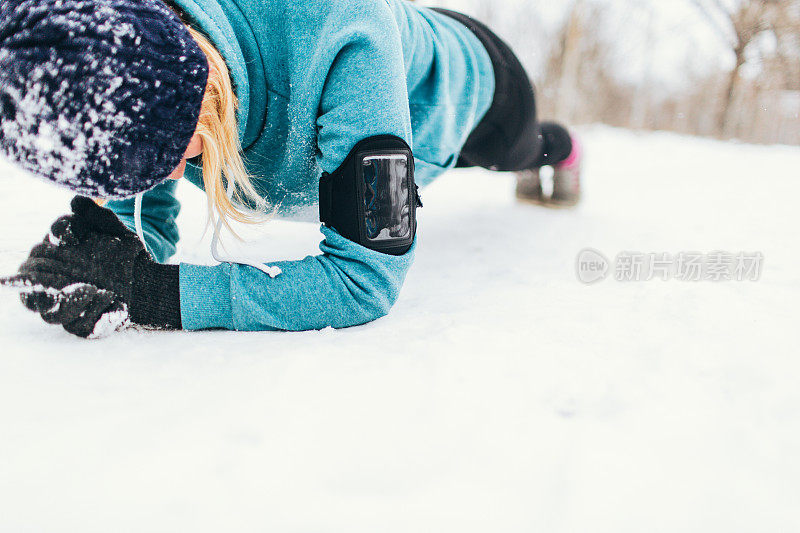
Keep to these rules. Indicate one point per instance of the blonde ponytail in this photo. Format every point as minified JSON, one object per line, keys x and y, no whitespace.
{"x":222,"y":152}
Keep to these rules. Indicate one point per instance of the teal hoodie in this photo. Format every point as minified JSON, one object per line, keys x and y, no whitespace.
{"x":313,"y":78}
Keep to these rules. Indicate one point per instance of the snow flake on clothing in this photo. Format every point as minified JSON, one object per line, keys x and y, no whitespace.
{"x":58,"y":143}
{"x":110,"y":322}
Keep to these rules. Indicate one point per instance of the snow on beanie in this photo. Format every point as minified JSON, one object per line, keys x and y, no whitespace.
{"x":100,"y":96}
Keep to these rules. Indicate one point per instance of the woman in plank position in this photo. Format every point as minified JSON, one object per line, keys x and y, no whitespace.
{"x":338,"y":110}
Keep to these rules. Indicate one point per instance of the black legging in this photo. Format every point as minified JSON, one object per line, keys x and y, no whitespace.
{"x":509,"y":137}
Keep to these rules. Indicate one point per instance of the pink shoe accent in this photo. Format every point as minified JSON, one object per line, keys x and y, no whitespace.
{"x":574,"y":158}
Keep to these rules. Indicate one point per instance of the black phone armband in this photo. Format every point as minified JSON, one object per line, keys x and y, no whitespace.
{"x":371,"y":199}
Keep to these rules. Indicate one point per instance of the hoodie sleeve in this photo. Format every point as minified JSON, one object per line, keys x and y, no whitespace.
{"x":345,"y":286}
{"x":365,"y":91}
{"x":364,"y":95}
{"x":160,"y":208}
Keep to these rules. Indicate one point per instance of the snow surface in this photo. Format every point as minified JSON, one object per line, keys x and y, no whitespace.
{"x":500,"y":394}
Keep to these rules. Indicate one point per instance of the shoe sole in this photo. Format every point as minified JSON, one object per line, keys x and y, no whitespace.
{"x":550,"y":204}
{"x":561,"y":204}
{"x":532,"y":201}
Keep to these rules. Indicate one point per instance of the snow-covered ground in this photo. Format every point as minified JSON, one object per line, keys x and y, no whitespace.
{"x":501,"y":394}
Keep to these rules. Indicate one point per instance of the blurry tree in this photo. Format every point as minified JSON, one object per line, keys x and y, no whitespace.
{"x":579,"y":84}
{"x":787,"y":27}
{"x":576,"y":61}
{"x":739,"y":24}
{"x":569,"y":62}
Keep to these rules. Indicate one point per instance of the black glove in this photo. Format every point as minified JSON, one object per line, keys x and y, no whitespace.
{"x":82,"y":309}
{"x":93,"y":247}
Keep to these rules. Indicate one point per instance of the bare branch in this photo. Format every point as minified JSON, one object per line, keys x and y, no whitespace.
{"x":726,"y":34}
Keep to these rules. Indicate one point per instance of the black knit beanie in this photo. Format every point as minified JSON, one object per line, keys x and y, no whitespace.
{"x":101,"y":96}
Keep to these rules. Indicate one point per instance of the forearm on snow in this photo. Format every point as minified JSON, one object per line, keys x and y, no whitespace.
{"x":346,"y":286}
